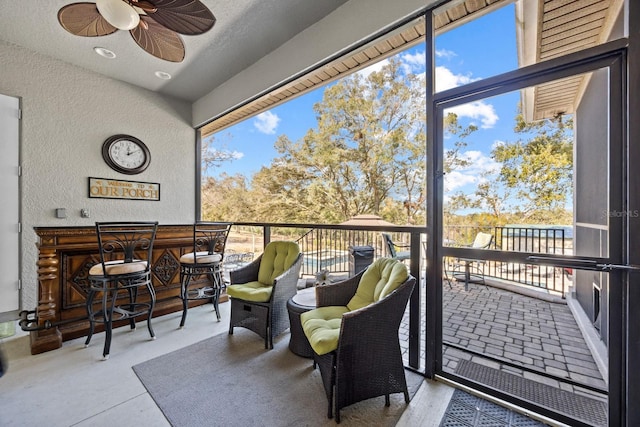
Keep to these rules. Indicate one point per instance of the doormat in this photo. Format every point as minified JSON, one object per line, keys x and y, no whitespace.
{"x":467,"y":410}
{"x":591,"y":411}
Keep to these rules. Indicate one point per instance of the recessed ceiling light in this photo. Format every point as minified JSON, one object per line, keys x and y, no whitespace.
{"x":104,"y":52}
{"x":162,"y":75}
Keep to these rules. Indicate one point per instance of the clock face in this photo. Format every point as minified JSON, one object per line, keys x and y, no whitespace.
{"x":126,"y":154}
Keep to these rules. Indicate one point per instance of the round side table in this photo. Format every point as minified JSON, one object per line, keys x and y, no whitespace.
{"x":302,"y":302}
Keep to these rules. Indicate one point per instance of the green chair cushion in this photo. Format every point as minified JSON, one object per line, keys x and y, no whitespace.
{"x":322,"y":327}
{"x":252,"y":291}
{"x":277,"y":258}
{"x":381,"y":278}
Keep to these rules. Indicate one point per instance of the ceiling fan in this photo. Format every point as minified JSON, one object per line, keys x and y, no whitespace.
{"x":155,"y":25}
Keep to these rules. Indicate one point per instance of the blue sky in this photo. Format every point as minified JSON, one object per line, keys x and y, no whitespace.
{"x":482,"y":48}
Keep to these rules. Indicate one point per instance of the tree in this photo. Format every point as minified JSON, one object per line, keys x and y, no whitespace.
{"x":280,"y":193}
{"x":226,"y":199}
{"x":368,"y":147}
{"x":539,"y":169}
{"x":212,"y":157}
{"x":534,"y":180}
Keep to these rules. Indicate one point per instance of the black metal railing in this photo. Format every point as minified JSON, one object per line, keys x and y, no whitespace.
{"x":555,"y":240}
{"x":325,"y":247}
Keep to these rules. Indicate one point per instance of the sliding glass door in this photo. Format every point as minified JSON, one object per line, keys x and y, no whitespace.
{"x":530,"y":222}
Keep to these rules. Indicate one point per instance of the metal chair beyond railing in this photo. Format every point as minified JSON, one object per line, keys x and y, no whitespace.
{"x":537,"y":239}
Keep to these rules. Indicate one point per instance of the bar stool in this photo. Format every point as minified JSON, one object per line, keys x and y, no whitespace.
{"x":125,"y":265}
{"x":209,"y":240}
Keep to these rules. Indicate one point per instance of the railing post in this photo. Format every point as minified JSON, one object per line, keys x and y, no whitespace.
{"x":414,"y":303}
{"x":267,"y":235}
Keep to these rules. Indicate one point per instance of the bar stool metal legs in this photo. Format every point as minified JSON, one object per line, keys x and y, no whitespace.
{"x":111,"y":311}
{"x":188,"y":272}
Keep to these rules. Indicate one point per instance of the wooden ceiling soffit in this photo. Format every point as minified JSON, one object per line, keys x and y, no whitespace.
{"x":565,"y":27}
{"x":455,"y":14}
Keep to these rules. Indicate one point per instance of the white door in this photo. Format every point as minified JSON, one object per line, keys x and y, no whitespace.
{"x":10,"y":206}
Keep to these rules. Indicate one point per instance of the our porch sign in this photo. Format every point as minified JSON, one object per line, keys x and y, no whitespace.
{"x":104,"y":188}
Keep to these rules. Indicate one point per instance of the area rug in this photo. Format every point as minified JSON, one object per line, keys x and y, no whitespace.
{"x":231,"y":380}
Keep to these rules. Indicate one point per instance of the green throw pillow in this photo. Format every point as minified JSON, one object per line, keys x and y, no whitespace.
{"x":379,"y":280}
{"x":276,"y":259}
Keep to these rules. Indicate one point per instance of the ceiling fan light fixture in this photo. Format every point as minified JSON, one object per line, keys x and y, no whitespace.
{"x":118,"y":13}
{"x":155,"y":25}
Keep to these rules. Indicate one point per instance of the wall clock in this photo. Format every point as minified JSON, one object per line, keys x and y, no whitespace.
{"x":126,"y":154}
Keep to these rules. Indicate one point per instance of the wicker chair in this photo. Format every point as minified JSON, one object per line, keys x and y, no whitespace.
{"x":367,"y":361}
{"x":259,"y":291}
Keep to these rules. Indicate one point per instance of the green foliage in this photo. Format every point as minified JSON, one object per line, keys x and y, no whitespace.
{"x":535,"y":178}
{"x":226,"y":199}
{"x":539,"y":169}
{"x":365,"y":154}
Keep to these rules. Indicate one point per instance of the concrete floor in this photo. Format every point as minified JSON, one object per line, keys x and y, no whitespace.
{"x":73,"y":386}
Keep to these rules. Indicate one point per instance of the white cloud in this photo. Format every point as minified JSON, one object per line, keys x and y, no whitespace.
{"x":234,"y":155}
{"x":414,"y":63}
{"x":447,"y":54}
{"x":445,"y":79}
{"x":457,"y":179}
{"x":477,"y":110}
{"x":496,"y":144}
{"x":479,"y":164}
{"x":267,"y":122}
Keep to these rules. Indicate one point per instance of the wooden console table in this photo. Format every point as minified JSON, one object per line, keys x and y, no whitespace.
{"x":65,"y":256}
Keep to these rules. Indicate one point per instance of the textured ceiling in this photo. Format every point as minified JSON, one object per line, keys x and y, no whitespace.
{"x":245,"y":31}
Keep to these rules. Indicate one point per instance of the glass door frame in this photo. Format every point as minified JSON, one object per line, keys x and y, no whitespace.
{"x":612,"y":56}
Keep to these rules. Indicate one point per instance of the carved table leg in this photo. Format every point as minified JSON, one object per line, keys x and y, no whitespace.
{"x":46,"y":339}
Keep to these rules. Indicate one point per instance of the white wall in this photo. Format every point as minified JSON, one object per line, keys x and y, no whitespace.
{"x":67,"y":113}
{"x":354,"y":21}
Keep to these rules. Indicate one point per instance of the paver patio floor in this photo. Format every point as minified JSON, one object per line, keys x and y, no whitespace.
{"x":489,"y":325}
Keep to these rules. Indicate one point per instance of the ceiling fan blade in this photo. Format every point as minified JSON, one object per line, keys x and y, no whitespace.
{"x":188,"y":17}
{"x":83,"y":19}
{"x":158,"y":40}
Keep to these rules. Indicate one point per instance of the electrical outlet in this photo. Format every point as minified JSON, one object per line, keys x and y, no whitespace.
{"x":84,"y":213}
